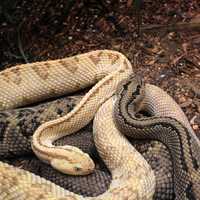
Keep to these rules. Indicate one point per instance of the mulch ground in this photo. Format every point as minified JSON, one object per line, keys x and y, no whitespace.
{"x":161,"y":38}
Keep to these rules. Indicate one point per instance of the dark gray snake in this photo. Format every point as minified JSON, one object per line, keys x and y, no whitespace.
{"x":169,"y":126}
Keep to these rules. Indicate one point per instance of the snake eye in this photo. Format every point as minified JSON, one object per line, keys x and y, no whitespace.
{"x":77,"y":168}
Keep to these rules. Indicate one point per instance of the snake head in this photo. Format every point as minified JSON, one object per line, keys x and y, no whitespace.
{"x":75,"y":163}
{"x":131,"y":91}
{"x":129,"y":85}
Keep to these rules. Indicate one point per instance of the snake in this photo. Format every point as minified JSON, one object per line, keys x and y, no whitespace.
{"x":18,"y":125}
{"x":166,"y":123}
{"x":131,"y":175}
{"x":16,"y":129}
{"x":126,"y":182}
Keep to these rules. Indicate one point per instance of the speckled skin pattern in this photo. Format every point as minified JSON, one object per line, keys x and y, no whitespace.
{"x":166,"y":123}
{"x":132,"y":177}
{"x":17,"y":127}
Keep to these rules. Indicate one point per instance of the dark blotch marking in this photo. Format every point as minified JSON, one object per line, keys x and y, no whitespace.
{"x":113,"y":57}
{"x":40,"y":71}
{"x":3,"y":127}
{"x":95,"y":59}
{"x":189,"y":192}
{"x":70,"y":66}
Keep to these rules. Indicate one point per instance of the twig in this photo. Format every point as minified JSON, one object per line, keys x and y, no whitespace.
{"x":182,"y":26}
{"x":138,"y":6}
{"x":20,"y":44}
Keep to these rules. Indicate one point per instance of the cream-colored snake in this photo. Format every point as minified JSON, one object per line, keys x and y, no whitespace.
{"x":24,"y":84}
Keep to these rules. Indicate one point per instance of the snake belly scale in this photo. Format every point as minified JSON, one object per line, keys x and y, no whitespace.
{"x":34,"y":82}
{"x":167,"y":124}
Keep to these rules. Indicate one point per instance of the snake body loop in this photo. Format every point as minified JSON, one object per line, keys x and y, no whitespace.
{"x":68,"y":159}
{"x":168,"y":125}
{"x":132,"y":177}
{"x":37,"y":81}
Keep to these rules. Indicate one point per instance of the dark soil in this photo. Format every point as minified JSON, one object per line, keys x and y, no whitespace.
{"x":162,"y":40}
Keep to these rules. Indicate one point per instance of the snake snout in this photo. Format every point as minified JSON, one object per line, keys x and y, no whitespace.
{"x":85,"y":167}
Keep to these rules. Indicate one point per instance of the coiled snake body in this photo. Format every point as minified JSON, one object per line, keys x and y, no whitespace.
{"x":167,"y":124}
{"x":18,"y":125}
{"x":132,"y":176}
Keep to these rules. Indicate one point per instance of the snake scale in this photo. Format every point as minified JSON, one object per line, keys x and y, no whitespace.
{"x":167,"y":119}
{"x":13,"y":76}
